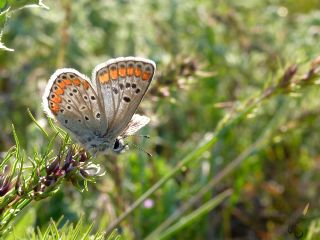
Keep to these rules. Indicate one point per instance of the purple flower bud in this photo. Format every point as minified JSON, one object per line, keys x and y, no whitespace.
{"x":60,"y":173}
{"x":68,"y":159}
{"x":50,"y":180}
{"x":83,"y":156}
{"x":37,"y":187}
{"x":70,"y":168}
{"x":5,"y":186}
{"x":53,"y":166}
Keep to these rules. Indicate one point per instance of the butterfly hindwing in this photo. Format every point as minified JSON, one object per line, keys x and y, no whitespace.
{"x":137,"y":122}
{"x":122,"y":83}
{"x":70,"y":99}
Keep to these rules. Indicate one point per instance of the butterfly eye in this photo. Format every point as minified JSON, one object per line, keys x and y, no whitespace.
{"x":119,"y":146}
{"x":116,"y":144}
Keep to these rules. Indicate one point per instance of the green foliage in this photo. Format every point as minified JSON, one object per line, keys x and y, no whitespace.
{"x":22,"y":183}
{"x":55,"y":230}
{"x":234,"y":105}
{"x":7,"y":7}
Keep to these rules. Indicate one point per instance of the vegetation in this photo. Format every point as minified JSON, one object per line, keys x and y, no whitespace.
{"x":234,"y":132}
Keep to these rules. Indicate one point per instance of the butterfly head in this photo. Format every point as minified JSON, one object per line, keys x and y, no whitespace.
{"x":119,"y":145}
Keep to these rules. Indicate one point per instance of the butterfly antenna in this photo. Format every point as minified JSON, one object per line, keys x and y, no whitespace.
{"x":140,"y":148}
{"x":142,"y":136}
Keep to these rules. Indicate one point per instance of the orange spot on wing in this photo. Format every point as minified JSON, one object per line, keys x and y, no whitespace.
{"x":86,"y":85}
{"x":59,"y":91}
{"x":76,"y":82}
{"x":137,"y":71}
{"x":56,"y":99}
{"x":130,"y":70}
{"x":114,"y":73}
{"x":64,"y":83}
{"x":67,"y":82}
{"x":122,"y":71}
{"x":146,"y":76}
{"x":54,"y":107}
{"x":104,"y":78}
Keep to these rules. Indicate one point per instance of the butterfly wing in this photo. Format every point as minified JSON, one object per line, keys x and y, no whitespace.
{"x":137,"y":122}
{"x":122,"y":83}
{"x":73,"y":102}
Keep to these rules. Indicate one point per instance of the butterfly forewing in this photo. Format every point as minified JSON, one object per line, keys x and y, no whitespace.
{"x":123,"y":83}
{"x":72,"y":100}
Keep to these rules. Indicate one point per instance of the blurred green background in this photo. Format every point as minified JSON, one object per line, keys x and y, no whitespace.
{"x":211,"y":55}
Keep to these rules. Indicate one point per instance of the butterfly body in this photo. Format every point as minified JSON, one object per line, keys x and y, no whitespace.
{"x":101,"y":112}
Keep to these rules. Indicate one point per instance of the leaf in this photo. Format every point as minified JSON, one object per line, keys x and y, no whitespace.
{"x":15,"y":4}
{"x":3,"y":20}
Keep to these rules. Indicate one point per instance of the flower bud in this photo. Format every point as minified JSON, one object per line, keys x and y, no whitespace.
{"x":53,"y":166}
{"x":83,"y":156}
{"x":5,"y":186}
{"x":68,"y":159}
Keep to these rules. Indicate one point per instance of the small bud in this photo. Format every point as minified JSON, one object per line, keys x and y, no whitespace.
{"x":83,"y":156}
{"x":68,"y":159}
{"x":50,"y":180}
{"x":59,"y":173}
{"x":69,"y":169}
{"x":5,"y":187}
{"x":37,"y":187}
{"x":53,"y":166}
{"x":288,"y":75}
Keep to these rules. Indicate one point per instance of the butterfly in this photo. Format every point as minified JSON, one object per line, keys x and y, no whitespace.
{"x":100,"y":113}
